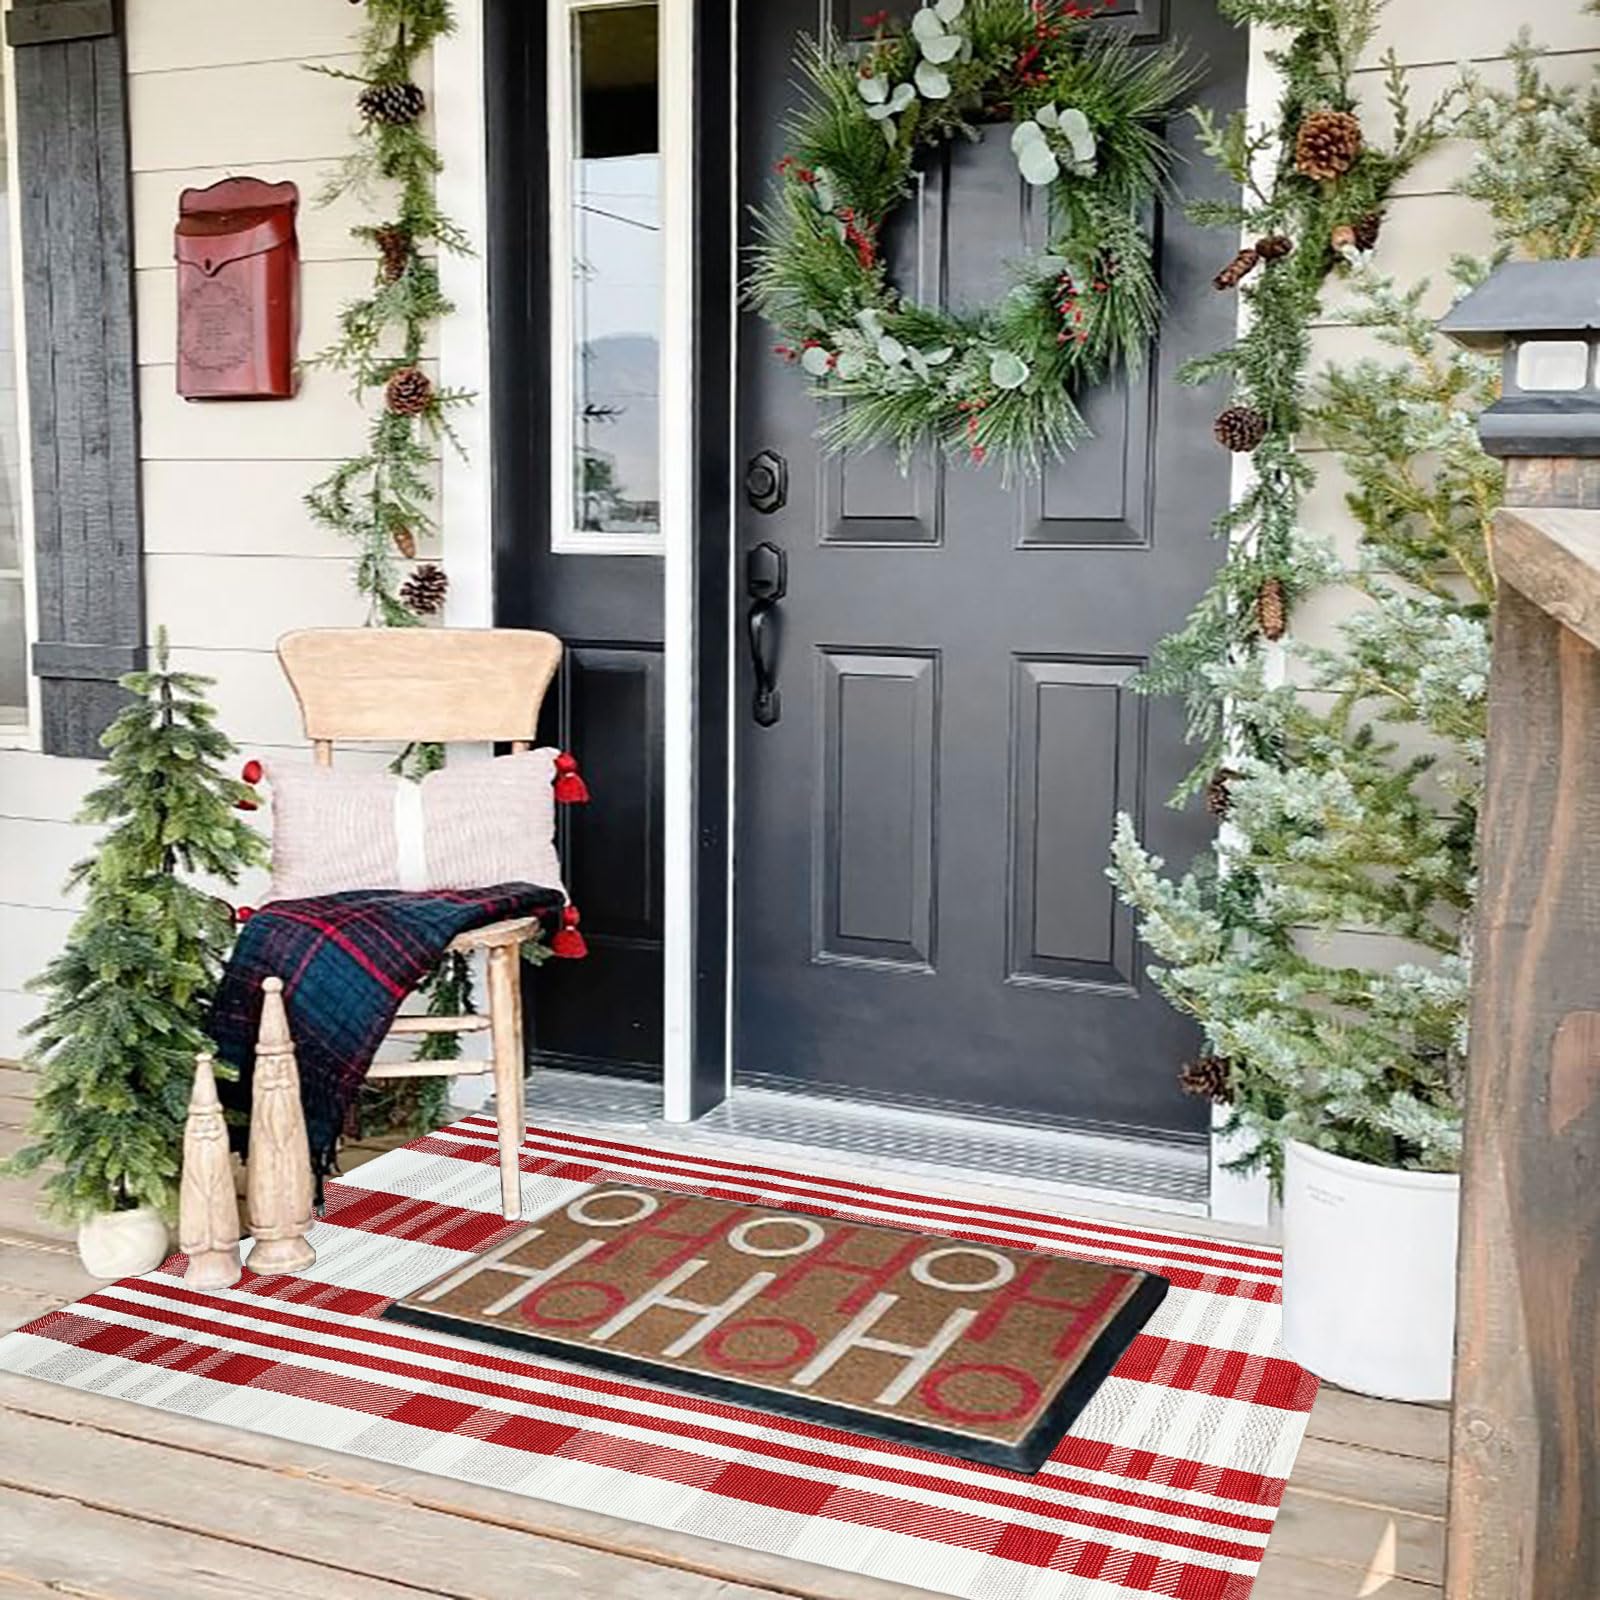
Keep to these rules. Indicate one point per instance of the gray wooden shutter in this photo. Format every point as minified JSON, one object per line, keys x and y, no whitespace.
{"x":77,"y":284}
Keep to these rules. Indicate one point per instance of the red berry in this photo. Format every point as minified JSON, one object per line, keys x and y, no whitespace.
{"x":244,"y":913}
{"x":252,"y":772}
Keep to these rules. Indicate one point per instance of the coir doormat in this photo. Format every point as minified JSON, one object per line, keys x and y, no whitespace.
{"x":1166,"y":1484}
{"x":984,"y":1351}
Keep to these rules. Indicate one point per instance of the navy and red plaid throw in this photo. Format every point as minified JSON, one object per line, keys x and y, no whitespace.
{"x":347,"y":962}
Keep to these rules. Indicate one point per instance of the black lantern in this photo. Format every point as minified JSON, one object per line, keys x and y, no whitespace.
{"x":1545,"y":317}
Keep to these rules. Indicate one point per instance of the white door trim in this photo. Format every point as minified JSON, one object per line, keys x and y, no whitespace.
{"x":679,"y":633}
{"x":466,"y":476}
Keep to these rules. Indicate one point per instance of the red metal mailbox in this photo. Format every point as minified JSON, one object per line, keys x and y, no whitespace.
{"x":238,"y":290}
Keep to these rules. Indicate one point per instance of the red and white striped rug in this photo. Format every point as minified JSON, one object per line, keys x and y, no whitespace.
{"x":1168,"y":1483}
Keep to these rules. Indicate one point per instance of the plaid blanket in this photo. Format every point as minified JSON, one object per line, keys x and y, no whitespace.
{"x":347,"y":962}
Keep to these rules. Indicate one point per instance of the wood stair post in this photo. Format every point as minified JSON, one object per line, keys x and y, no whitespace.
{"x":1525,"y":1451}
{"x":279,"y":1184}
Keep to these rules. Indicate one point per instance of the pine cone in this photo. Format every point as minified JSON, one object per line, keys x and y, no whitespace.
{"x":1343,"y":237}
{"x":1237,"y":270}
{"x":1272,"y":609}
{"x":1240,"y":429}
{"x":424,"y":591}
{"x":1327,"y":144}
{"x":393,"y":103}
{"x":1218,"y":800}
{"x":394,"y":249}
{"x":1210,"y":1077}
{"x":1274,"y":246}
{"x":1367,"y":229}
{"x":409,"y":392}
{"x":405,"y":541}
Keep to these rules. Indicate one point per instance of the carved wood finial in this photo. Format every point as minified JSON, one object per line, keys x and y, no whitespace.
{"x":208,"y":1209}
{"x":279,"y":1185}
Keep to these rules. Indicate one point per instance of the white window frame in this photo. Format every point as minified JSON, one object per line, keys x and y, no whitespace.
{"x":22,"y":735}
{"x":566,"y":538}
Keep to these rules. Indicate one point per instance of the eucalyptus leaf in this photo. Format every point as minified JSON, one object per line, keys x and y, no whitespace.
{"x":823,"y":190}
{"x":1007,"y":370}
{"x":1047,"y":116}
{"x":918,"y":363}
{"x":870,"y":322}
{"x":949,"y":10}
{"x":872,"y":88}
{"x":840,"y":232}
{"x":927,"y":24}
{"x":944,"y":48}
{"x":1025,"y":134}
{"x":903,"y":95}
{"x":890,"y":133}
{"x":890,"y":351}
{"x":932,"y":84}
{"x":1038,"y":164}
{"x":879,"y":112}
{"x":814,"y":359}
{"x":1081,"y":137}
{"x":937,"y":358}
{"x":851,"y":364}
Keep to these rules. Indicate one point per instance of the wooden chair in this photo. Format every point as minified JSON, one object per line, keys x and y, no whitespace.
{"x":439,"y":686}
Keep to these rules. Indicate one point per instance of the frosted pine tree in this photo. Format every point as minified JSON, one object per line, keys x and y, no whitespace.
{"x":1366,"y":817}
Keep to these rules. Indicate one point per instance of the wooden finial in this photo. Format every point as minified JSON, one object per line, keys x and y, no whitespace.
{"x":208,"y":1209}
{"x":279,"y":1184}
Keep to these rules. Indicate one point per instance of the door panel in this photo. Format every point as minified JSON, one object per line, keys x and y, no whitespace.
{"x":873,"y":846}
{"x":921,"y":908}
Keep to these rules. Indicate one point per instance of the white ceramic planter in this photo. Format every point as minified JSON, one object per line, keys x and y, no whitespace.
{"x":1369,"y":1274}
{"x":119,"y":1244}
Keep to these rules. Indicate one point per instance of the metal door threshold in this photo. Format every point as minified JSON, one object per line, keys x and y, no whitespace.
{"x":810,"y":1132}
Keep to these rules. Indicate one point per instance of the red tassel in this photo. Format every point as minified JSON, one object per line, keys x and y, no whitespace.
{"x":571,"y":790}
{"x":568,"y":942}
{"x":253,"y":771}
{"x":245,"y":803}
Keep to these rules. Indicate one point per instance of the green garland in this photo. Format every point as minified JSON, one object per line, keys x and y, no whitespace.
{"x":1085,"y":110}
{"x":1306,"y":228}
{"x":382,"y":498}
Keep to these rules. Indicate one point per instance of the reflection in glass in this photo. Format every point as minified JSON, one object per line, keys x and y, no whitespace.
{"x":13,"y":635}
{"x":616,"y":267}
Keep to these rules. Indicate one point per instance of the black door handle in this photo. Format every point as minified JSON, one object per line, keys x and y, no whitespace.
{"x":762,"y":622}
{"x":766,"y":581}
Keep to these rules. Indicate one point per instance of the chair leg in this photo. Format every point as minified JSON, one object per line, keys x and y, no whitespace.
{"x":505,"y":1018}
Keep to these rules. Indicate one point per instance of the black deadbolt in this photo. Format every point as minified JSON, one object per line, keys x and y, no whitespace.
{"x":766,"y":482}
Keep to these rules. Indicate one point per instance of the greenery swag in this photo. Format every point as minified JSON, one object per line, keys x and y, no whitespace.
{"x":1085,"y":111}
{"x":381,"y":499}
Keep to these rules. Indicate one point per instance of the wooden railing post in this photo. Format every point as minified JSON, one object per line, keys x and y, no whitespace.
{"x":1525,"y":1453}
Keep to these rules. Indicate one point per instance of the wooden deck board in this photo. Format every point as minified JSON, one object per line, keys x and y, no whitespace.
{"x":110,"y":1500}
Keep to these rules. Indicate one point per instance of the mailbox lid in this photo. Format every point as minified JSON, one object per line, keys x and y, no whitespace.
{"x":210,"y":240}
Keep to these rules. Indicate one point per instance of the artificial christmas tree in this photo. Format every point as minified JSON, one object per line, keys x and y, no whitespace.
{"x":115,"y":1048}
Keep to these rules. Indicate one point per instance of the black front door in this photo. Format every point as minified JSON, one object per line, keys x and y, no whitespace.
{"x":922,"y":912}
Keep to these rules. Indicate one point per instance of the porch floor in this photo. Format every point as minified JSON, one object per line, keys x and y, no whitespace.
{"x":104,"y":1499}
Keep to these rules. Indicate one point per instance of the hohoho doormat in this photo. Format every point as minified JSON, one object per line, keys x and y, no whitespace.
{"x":984,"y":1351}
{"x":1167,"y":1484}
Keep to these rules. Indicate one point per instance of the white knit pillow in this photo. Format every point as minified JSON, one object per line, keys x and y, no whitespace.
{"x":470,"y":825}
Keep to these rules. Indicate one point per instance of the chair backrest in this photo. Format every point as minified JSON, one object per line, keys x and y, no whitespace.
{"x":431,"y":685}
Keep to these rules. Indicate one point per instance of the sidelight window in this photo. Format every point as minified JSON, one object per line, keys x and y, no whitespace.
{"x":606,"y":278}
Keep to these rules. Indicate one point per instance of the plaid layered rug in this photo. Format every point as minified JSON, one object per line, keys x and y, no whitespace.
{"x":1168,"y":1483}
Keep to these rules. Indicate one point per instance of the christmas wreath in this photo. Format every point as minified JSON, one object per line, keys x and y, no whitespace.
{"x":1086,"y":112}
